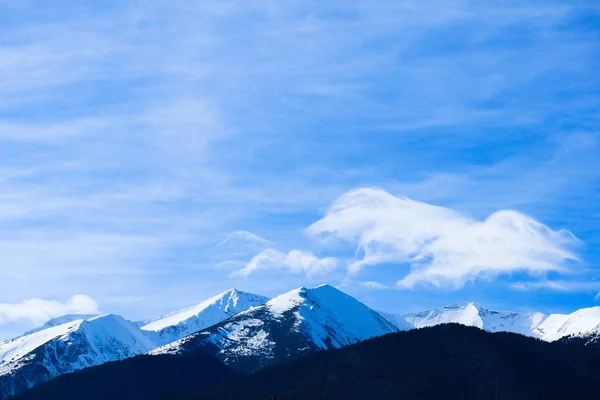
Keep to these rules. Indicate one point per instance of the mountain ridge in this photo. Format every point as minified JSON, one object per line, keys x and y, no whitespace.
{"x":549,"y":327}
{"x":299,"y":321}
{"x":177,"y":324}
{"x":72,"y":342}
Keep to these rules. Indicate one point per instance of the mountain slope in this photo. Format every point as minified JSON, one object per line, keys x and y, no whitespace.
{"x":297,"y":322}
{"x":580,"y":322}
{"x":178,"y":324}
{"x":42,"y":355}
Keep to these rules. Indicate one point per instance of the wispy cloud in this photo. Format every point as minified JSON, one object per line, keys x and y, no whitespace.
{"x":558,"y":285}
{"x":296,"y":261}
{"x":443,"y":247}
{"x":374,"y":285}
{"x":244,"y":238}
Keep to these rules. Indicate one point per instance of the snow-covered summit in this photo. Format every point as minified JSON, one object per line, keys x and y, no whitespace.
{"x":295,"y":322}
{"x":60,"y":321}
{"x":546,"y":327}
{"x":55,"y":350}
{"x":581,"y":322}
{"x":473,"y":314}
{"x":183,"y":322}
{"x":15,"y":349}
{"x":331,"y":317}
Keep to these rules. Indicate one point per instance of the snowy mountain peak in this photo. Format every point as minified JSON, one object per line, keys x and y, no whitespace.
{"x":465,"y":305}
{"x":320,"y":297}
{"x":581,"y":322}
{"x":295,"y":322}
{"x":180,"y":323}
{"x":546,"y":327}
{"x":473,"y":314}
{"x":61,"y":320}
{"x":462,"y":313}
{"x":68,"y":347}
{"x":335,"y":319}
{"x":11,"y":351}
{"x":234,"y":300}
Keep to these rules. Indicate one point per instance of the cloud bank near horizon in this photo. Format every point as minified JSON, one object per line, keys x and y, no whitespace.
{"x":39,"y":311}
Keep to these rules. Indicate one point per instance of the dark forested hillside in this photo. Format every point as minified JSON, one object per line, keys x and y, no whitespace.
{"x":142,"y":377}
{"x":442,"y":362}
{"x":591,"y":339}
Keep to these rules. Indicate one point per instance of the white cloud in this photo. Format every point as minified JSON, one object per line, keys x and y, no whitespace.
{"x":374,"y":285}
{"x":295,"y":261}
{"x":239,"y":244}
{"x":444,"y":247}
{"x":39,"y":310}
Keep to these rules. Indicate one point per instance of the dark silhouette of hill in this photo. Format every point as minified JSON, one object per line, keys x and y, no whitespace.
{"x":590,"y":339}
{"x":442,"y":362}
{"x":142,"y":377}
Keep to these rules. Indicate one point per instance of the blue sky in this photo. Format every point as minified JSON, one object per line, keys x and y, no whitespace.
{"x":155,"y":153}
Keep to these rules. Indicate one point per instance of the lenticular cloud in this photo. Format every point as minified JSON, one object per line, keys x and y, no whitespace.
{"x":443,"y":247}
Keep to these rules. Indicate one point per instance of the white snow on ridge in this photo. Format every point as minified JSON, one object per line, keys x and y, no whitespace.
{"x":546,"y":327}
{"x":556,"y":326}
{"x":180,"y":323}
{"x":87,"y":340}
{"x":329,"y":315}
{"x":60,"y":321}
{"x":465,"y":314}
{"x":332,"y":315}
{"x":97,"y":340}
{"x":325,"y":316}
{"x":14,"y":349}
{"x":112,"y":337}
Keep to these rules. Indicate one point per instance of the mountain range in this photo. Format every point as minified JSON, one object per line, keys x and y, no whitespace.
{"x":447,"y":361}
{"x":248,"y":332}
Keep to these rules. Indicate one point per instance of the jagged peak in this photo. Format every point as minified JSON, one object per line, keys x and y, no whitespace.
{"x":63,"y":319}
{"x":229,"y":302}
{"x":323,"y":295}
{"x":463,"y":305}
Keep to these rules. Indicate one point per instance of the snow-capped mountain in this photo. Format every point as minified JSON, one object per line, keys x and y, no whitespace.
{"x":180,"y":323}
{"x":472,"y":314}
{"x":32,"y":359}
{"x":585,"y":321}
{"x":296,"y":322}
{"x":546,"y":327}
{"x":75,"y":341}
